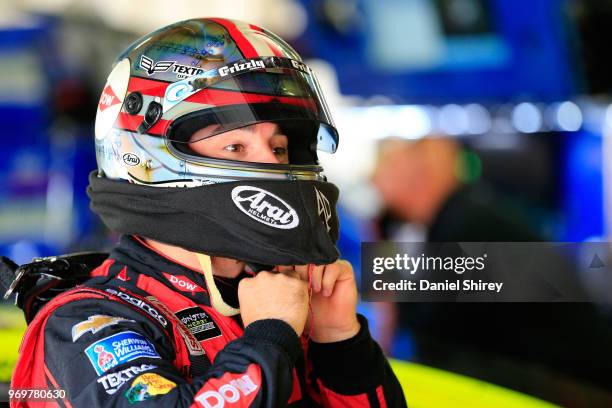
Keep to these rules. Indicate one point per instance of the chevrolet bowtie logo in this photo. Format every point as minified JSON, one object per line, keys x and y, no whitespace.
{"x":94,"y":324}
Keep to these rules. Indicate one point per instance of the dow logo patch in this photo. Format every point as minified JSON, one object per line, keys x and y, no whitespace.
{"x":183,"y":283}
{"x":108,"y":99}
{"x":265,"y":207}
{"x":227,"y":393}
{"x":111,"y":99}
{"x":199,"y":323}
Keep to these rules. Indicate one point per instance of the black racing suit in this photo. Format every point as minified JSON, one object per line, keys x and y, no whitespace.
{"x":142,"y":331}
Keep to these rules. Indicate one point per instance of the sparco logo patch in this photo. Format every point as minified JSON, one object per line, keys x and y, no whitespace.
{"x":265,"y":207}
{"x":140,"y":304}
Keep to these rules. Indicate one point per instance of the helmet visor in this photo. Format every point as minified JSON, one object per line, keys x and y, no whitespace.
{"x":267,"y":89}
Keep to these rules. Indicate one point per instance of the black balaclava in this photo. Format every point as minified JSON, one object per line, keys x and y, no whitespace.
{"x":278,"y":222}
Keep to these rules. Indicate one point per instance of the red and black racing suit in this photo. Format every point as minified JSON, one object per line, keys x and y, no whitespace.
{"x":142,"y":331}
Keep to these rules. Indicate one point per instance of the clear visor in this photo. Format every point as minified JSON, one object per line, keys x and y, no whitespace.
{"x":243,"y":93}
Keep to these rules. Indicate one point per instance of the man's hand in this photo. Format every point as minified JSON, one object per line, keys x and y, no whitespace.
{"x":334,"y":300}
{"x":270,"y":295}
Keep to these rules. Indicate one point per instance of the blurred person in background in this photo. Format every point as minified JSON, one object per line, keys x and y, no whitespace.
{"x":206,"y":141}
{"x":420,"y":184}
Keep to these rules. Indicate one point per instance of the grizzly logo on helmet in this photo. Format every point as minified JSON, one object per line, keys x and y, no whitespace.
{"x":238,"y":67}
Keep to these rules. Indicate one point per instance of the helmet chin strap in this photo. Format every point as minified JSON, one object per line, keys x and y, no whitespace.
{"x":215,"y":296}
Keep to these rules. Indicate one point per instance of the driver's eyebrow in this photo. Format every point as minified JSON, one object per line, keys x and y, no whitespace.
{"x":251,"y":129}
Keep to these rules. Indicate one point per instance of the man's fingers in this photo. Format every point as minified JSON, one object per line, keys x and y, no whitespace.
{"x":323,"y":277}
{"x":329,"y":279}
{"x":303,"y":271}
{"x":293,"y":271}
{"x":317,"y":276}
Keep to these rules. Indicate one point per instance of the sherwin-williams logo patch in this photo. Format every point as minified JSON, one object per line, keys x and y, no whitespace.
{"x":265,"y":207}
{"x":118,"y":349}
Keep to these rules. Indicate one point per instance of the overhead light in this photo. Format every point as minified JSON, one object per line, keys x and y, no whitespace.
{"x":526,"y":118}
{"x":569,"y":116}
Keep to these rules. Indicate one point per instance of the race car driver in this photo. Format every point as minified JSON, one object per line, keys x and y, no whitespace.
{"x":226,"y":289}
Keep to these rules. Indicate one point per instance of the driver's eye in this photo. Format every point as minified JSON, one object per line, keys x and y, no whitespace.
{"x":280,"y":151}
{"x":234,"y":148}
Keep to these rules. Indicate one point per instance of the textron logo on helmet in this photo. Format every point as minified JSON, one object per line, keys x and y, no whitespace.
{"x":242,"y":66}
{"x":265,"y":207}
{"x":181,"y":71}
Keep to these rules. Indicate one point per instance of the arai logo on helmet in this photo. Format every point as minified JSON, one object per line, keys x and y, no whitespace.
{"x":131,"y":159}
{"x":265,"y":207}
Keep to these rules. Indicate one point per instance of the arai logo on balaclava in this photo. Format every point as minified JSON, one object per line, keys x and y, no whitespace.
{"x":265,"y":207}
